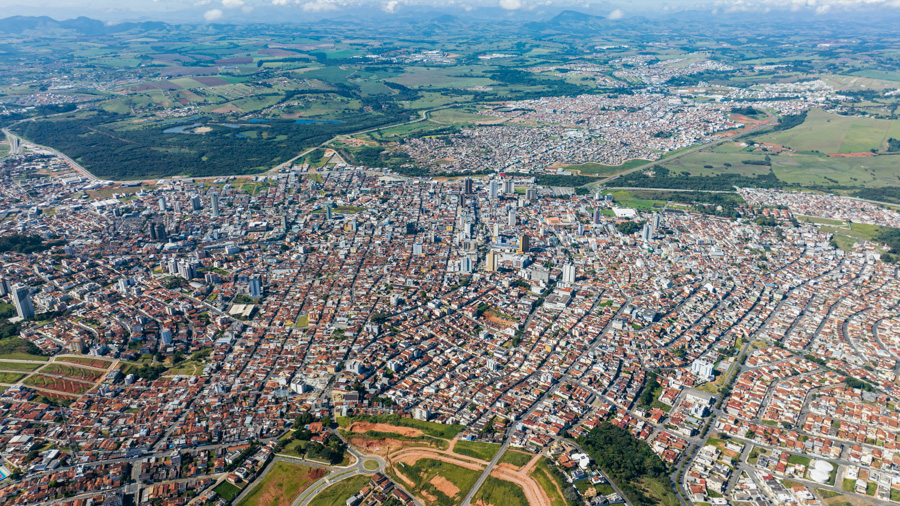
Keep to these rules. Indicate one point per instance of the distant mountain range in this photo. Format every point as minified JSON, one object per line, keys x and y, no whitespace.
{"x":431,"y":19}
{"x":83,"y":25}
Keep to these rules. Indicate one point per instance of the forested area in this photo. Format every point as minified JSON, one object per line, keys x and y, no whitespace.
{"x":25,"y":244}
{"x":131,"y":153}
{"x":629,"y":462}
{"x":884,"y":194}
{"x":664,"y":178}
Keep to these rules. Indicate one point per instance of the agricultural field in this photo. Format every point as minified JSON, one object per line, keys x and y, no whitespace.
{"x":73,"y":372}
{"x":96,"y":363}
{"x":823,"y":132}
{"x":282,"y":484}
{"x":63,"y":386}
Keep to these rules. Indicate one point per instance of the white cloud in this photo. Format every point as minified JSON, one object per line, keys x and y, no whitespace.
{"x":279,"y":2}
{"x":616,"y":14}
{"x":201,"y":3}
{"x":817,"y":6}
{"x":319,"y":6}
{"x":232,"y":4}
{"x":511,"y":5}
{"x":212,"y":14}
{"x":391,"y":6}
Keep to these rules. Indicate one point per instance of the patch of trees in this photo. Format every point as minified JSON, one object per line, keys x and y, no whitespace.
{"x":647,"y":396}
{"x":891,"y":238}
{"x":816,"y":360}
{"x":8,"y":330}
{"x":332,"y":451}
{"x":884,"y":194}
{"x":746,"y":111}
{"x":25,"y":244}
{"x":149,"y":372}
{"x":893,"y":145}
{"x":790,"y":121}
{"x":663,"y":178}
{"x":557,"y":87}
{"x":626,"y":460}
{"x":379,"y":318}
{"x":859,"y":384}
{"x":17,"y":345}
{"x":629,"y":227}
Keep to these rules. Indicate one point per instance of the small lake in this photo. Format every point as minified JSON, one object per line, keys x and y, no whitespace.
{"x":180,"y":129}
{"x":314,"y":121}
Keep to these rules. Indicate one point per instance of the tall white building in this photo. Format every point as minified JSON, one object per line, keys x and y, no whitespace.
{"x":702,"y":369}
{"x":255,"y":287}
{"x":21,"y":297}
{"x":568,"y":274}
{"x":215,"y":204}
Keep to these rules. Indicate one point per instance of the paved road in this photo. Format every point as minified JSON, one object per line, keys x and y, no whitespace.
{"x":339,"y":474}
{"x":72,"y":163}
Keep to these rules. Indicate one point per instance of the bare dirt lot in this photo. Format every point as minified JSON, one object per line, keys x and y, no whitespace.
{"x":362,"y":427}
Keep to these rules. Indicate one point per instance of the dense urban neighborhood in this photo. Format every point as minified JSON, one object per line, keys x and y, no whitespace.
{"x":580,"y":260}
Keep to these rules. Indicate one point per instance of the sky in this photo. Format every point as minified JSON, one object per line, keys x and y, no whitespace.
{"x":224,"y":11}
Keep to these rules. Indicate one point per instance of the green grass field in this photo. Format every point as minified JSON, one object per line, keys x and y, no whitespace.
{"x":515,"y":458}
{"x":659,"y":492}
{"x":458,"y":116}
{"x":18,"y":366}
{"x":186,"y":368}
{"x":598,"y":169}
{"x":497,"y":492}
{"x":820,"y":221}
{"x":552,"y":482}
{"x":23,"y":356}
{"x":425,"y":470}
{"x":282,"y":485}
{"x":624,"y":198}
{"x":10,"y":377}
{"x":829,"y":133}
{"x":337,"y":494}
{"x":475,"y":449}
{"x":227,"y":491}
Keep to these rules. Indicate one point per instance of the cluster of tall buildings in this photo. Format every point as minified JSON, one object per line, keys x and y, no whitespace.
{"x":184,"y":268}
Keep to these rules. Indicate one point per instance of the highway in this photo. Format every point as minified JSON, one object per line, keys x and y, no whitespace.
{"x":22,"y":143}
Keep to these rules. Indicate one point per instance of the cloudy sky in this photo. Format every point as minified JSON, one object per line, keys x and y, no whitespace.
{"x":224,"y":11}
